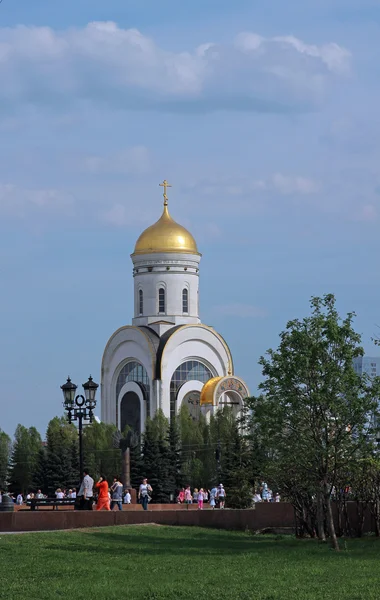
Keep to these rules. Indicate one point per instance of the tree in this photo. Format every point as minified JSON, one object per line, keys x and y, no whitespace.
{"x":174,"y":444}
{"x":157,"y":456}
{"x":313,"y":412}
{"x":39,"y":480}
{"x":27,"y":444}
{"x":100,"y":455}
{"x":60,"y":465}
{"x":5,"y":455}
{"x":191,"y":446}
{"x":237,"y":466}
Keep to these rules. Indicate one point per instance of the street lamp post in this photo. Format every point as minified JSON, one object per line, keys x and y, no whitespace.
{"x":80,"y":408}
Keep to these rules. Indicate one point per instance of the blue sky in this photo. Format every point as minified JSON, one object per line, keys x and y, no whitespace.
{"x":263,"y":116}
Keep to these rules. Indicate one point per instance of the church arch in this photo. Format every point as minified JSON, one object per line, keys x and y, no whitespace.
{"x":190,"y":370}
{"x":130,"y":412}
{"x":134,"y":371}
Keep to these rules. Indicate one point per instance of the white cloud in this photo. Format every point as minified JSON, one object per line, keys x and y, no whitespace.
{"x":245,"y":311}
{"x":105,"y":63}
{"x":286,"y":184}
{"x":277,"y":183}
{"x":21,"y":202}
{"x":132,"y":160}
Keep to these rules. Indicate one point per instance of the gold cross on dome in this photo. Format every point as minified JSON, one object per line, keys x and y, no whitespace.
{"x":165,"y":185}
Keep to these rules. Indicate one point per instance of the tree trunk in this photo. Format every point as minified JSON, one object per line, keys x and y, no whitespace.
{"x":320,"y":518}
{"x":330,"y":522}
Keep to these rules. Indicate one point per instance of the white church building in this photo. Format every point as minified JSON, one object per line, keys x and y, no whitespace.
{"x":167,"y":357}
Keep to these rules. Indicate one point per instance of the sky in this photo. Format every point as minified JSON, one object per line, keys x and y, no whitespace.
{"x":264,"y":118}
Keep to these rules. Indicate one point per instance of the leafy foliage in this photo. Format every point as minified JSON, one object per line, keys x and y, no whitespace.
{"x":312,"y":417}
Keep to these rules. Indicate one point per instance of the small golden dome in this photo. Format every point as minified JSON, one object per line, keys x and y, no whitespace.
{"x":166,"y":236}
{"x":208,"y":390}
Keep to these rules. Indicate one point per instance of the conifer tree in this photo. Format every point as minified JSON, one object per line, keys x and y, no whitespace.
{"x":174,"y":444}
{"x":5,"y":455}
{"x":26,"y":447}
{"x":60,"y":470}
{"x":39,"y":481}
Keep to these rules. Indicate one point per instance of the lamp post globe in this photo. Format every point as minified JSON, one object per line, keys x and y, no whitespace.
{"x":90,"y":388}
{"x":80,"y":408}
{"x":68,"y":389}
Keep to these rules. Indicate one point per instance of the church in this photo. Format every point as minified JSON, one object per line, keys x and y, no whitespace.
{"x":167,"y":357}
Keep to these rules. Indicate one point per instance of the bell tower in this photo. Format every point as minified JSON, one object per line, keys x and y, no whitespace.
{"x":166,"y":274}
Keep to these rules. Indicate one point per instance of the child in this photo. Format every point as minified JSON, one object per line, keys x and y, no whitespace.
{"x":200,"y":499}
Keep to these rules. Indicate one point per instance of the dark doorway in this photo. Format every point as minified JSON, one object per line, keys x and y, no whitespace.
{"x":130,"y":412}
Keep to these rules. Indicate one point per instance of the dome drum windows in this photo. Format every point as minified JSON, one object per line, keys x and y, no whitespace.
{"x":185,"y":300}
{"x":161,"y":300}
{"x":141,"y":302}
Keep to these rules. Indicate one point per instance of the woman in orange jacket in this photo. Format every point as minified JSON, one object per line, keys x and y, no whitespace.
{"x":103,"y":498}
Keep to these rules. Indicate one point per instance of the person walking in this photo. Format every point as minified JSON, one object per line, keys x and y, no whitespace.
{"x":200,"y":499}
{"x":127,"y":497}
{"x":103,"y":498}
{"x":181,"y":496}
{"x":221,"y":495}
{"x":188,"y":496}
{"x":213,"y":494}
{"x":144,"y":491}
{"x":117,"y":494}
{"x":86,"y":493}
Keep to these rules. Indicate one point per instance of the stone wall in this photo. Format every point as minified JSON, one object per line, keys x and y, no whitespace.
{"x":264,"y":515}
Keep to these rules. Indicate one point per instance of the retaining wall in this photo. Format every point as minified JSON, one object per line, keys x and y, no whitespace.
{"x":278,"y":515}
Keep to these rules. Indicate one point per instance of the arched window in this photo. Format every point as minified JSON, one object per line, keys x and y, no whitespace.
{"x":161,"y":300}
{"x":141,"y":302}
{"x":185,"y":300}
{"x":191,"y":370}
{"x":133,"y":371}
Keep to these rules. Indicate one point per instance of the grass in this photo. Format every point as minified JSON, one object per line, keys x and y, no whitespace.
{"x":168,"y":563}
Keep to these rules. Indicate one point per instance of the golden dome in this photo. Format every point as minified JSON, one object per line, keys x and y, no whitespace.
{"x":208,"y":390}
{"x":166,"y":236}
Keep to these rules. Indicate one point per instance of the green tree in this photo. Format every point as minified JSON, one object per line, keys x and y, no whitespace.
{"x":174,"y":444}
{"x":39,"y":480}
{"x":100,"y":455}
{"x":157,"y":456}
{"x":237,"y":466}
{"x":5,"y":455}
{"x":192,"y":443}
{"x":26,"y":446}
{"x":313,"y":413}
{"x":60,"y":468}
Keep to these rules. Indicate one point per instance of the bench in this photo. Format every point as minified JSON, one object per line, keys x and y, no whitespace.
{"x":35,"y":503}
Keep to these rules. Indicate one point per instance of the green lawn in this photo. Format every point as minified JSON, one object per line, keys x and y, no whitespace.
{"x":168,"y":563}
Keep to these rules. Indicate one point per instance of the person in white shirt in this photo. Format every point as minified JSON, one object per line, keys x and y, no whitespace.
{"x":19,"y":500}
{"x":59,"y":494}
{"x":127,"y":498}
{"x":86,"y":491}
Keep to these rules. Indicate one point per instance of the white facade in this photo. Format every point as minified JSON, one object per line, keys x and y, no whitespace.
{"x":178,"y":276}
{"x":167,"y":356}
